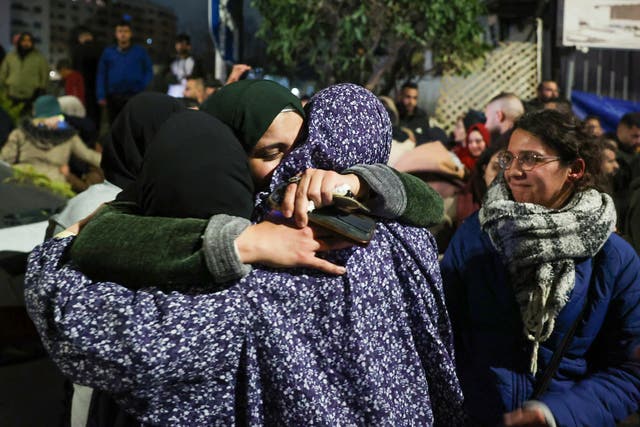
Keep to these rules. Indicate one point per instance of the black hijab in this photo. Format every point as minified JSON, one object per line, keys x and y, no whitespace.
{"x":250,"y":106}
{"x":195,"y":168}
{"x":131,"y":133}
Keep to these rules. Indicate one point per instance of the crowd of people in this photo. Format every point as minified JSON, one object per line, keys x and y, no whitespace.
{"x":189,"y":283}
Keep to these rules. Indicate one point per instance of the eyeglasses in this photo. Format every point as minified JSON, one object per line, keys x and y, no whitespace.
{"x":528,"y":160}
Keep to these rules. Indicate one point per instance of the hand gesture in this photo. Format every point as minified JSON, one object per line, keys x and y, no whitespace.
{"x":279,"y":245}
{"x":525,"y":418}
{"x":318,"y":186}
{"x":236,"y":72}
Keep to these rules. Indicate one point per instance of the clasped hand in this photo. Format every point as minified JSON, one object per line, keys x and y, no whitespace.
{"x":283,"y":245}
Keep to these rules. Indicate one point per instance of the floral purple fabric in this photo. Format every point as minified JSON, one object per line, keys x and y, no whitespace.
{"x":285,"y":347}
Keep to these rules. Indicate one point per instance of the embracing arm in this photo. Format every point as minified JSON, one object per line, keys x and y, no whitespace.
{"x":135,"y":250}
{"x":401,"y":196}
{"x":120,"y":245}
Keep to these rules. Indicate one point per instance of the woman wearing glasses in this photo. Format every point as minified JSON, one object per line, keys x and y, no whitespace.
{"x":544,"y":299}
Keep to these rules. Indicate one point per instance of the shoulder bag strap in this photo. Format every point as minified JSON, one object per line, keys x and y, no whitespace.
{"x":545,"y":379}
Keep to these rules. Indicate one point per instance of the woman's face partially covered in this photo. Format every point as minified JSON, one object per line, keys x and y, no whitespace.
{"x":273,"y":146}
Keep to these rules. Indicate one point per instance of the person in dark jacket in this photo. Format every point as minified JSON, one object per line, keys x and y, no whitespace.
{"x":412,"y":116}
{"x":123,"y":71}
{"x":84,"y":58}
{"x":628,"y":139}
{"x":538,"y":257}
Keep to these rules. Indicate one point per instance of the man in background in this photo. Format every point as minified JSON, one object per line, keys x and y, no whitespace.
{"x":199,"y":88}
{"x":24,"y":72}
{"x":124,"y":70}
{"x":547,"y":91}
{"x":183,"y":66}
{"x":501,"y":112}
{"x":412,"y":116}
{"x":628,"y":157}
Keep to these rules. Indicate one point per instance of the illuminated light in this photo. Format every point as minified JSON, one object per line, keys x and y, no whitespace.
{"x":149,"y":41}
{"x":295,"y":91}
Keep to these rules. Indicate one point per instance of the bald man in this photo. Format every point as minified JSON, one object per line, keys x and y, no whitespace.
{"x":502,"y":112}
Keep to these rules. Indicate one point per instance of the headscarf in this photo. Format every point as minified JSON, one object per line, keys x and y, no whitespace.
{"x":340,"y":118}
{"x":131,"y":133}
{"x":290,"y":347}
{"x":333,"y":349}
{"x":195,"y":168}
{"x":464,"y":154}
{"x":249,"y":106}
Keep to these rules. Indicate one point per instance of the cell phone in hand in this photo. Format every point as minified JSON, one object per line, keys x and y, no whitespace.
{"x":356,"y":227}
{"x":345,"y":218}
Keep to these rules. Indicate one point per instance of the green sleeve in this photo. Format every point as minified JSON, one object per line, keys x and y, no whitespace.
{"x":424,"y":205}
{"x":121,"y":246}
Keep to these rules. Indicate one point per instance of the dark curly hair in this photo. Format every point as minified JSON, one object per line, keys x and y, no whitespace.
{"x":565,"y":134}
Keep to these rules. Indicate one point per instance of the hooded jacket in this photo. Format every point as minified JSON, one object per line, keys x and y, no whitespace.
{"x":22,"y":77}
{"x":46,"y":149}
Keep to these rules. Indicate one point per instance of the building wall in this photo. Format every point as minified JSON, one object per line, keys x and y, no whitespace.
{"x":5,"y":37}
{"x":33,"y":17}
{"x":53,"y":22}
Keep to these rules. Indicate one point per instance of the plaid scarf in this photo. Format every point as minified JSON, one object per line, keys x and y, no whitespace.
{"x":539,"y":246}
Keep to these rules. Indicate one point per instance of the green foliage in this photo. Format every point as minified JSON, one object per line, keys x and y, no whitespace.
{"x":365,"y":41}
{"x":26,"y":174}
{"x":14,"y":111}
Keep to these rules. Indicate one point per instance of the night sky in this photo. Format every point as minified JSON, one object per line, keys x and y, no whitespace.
{"x":192,"y":19}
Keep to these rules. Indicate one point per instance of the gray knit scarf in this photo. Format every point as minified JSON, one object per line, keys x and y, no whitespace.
{"x":539,"y":246}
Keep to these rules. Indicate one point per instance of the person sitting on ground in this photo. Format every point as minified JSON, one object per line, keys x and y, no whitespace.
{"x":46,"y":142}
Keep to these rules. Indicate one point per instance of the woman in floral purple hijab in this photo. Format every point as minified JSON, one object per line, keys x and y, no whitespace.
{"x":291,"y":347}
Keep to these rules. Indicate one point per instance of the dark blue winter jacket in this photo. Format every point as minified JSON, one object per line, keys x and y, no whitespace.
{"x":123,"y":72}
{"x":598,"y":380}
